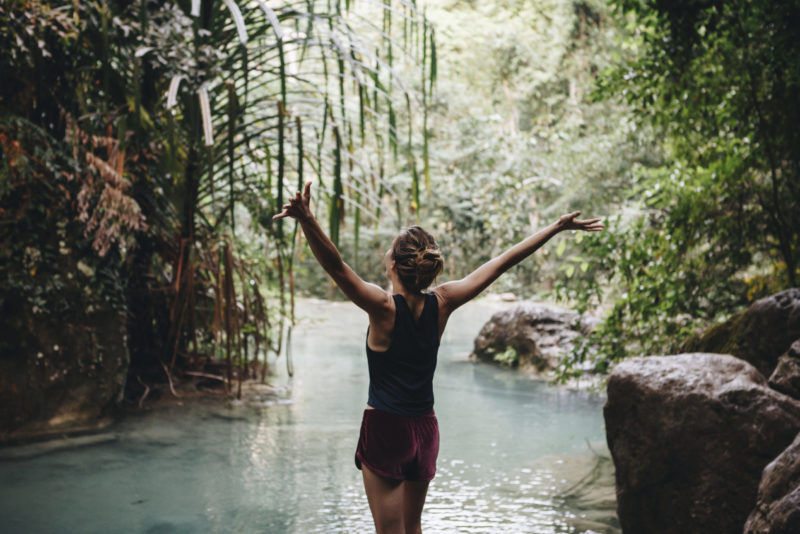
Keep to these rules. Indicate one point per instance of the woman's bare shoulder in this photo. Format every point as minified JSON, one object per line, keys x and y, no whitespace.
{"x":441,"y":296}
{"x":386,"y":307}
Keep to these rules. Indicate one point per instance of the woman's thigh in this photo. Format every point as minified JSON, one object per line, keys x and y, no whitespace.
{"x":385,"y":497}
{"x":414,"y":494}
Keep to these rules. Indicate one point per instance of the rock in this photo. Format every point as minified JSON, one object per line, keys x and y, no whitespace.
{"x":532,"y":336}
{"x":759,"y":334}
{"x":786,"y":377}
{"x":587,"y":323}
{"x":585,"y":485}
{"x":777,"y":509}
{"x":59,"y":376}
{"x":690,"y":435}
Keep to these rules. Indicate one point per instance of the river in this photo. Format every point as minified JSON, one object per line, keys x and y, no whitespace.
{"x":516,"y":455}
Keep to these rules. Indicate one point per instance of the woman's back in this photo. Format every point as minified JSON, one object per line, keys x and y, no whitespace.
{"x":401,"y":377}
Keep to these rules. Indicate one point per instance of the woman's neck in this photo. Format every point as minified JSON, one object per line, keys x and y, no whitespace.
{"x":400,"y":289}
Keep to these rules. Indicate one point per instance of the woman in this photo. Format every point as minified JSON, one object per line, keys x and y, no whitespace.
{"x":399,"y":439}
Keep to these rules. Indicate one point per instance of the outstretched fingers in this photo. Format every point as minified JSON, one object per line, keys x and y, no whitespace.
{"x":296,"y":205}
{"x":284,"y":213}
{"x":592,"y":225}
{"x":305,"y":195}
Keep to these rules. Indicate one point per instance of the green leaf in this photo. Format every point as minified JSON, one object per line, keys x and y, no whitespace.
{"x":562,"y":246}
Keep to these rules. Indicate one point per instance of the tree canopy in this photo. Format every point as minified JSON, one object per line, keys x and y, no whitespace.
{"x":720,"y":223}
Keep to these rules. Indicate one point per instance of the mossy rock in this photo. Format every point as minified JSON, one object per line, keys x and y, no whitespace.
{"x":758,"y":335}
{"x":530,"y":336}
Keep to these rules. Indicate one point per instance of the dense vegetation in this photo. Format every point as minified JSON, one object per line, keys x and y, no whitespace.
{"x":671,"y":121}
{"x":146,"y":144}
{"x":516,"y":139}
{"x":720,"y":215}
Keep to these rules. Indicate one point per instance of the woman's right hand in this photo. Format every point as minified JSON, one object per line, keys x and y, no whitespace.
{"x":298,"y":207}
{"x":569,"y":222}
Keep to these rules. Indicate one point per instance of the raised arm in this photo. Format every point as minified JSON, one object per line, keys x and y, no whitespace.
{"x":454,"y":294}
{"x":369,"y":297}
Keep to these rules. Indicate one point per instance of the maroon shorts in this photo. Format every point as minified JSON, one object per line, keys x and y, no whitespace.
{"x":399,"y":446}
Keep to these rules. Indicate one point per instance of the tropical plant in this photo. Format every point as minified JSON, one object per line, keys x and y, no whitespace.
{"x":208,"y":113}
{"x":720,"y":215}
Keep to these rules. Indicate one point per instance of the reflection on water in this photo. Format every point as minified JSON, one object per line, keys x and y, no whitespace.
{"x":516,"y":455}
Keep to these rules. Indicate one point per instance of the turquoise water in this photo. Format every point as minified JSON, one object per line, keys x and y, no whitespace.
{"x":512,"y":450}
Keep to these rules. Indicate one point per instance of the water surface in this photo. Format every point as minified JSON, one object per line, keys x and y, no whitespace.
{"x":516,"y":455}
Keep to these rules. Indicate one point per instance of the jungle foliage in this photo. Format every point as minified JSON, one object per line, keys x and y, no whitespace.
{"x":672,"y":121}
{"x":516,"y":139}
{"x":720,"y":217}
{"x":520,"y":140}
{"x":146,"y":145}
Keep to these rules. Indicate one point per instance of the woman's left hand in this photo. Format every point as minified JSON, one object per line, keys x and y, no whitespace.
{"x":298,"y":207}
{"x":569,"y":222}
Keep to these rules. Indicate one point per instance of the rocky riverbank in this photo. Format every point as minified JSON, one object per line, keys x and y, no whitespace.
{"x":704,"y":442}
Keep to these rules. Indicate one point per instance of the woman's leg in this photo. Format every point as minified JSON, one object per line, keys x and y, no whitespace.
{"x":413,"y":500}
{"x":385,"y":497}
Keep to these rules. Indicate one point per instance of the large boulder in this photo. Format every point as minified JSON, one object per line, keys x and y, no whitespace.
{"x":690,"y":435}
{"x":531,"y":335}
{"x":759,"y":335}
{"x":786,"y":377}
{"x":778,"y":507}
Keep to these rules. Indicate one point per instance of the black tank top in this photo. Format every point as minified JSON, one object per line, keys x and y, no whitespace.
{"x":401,"y":378}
